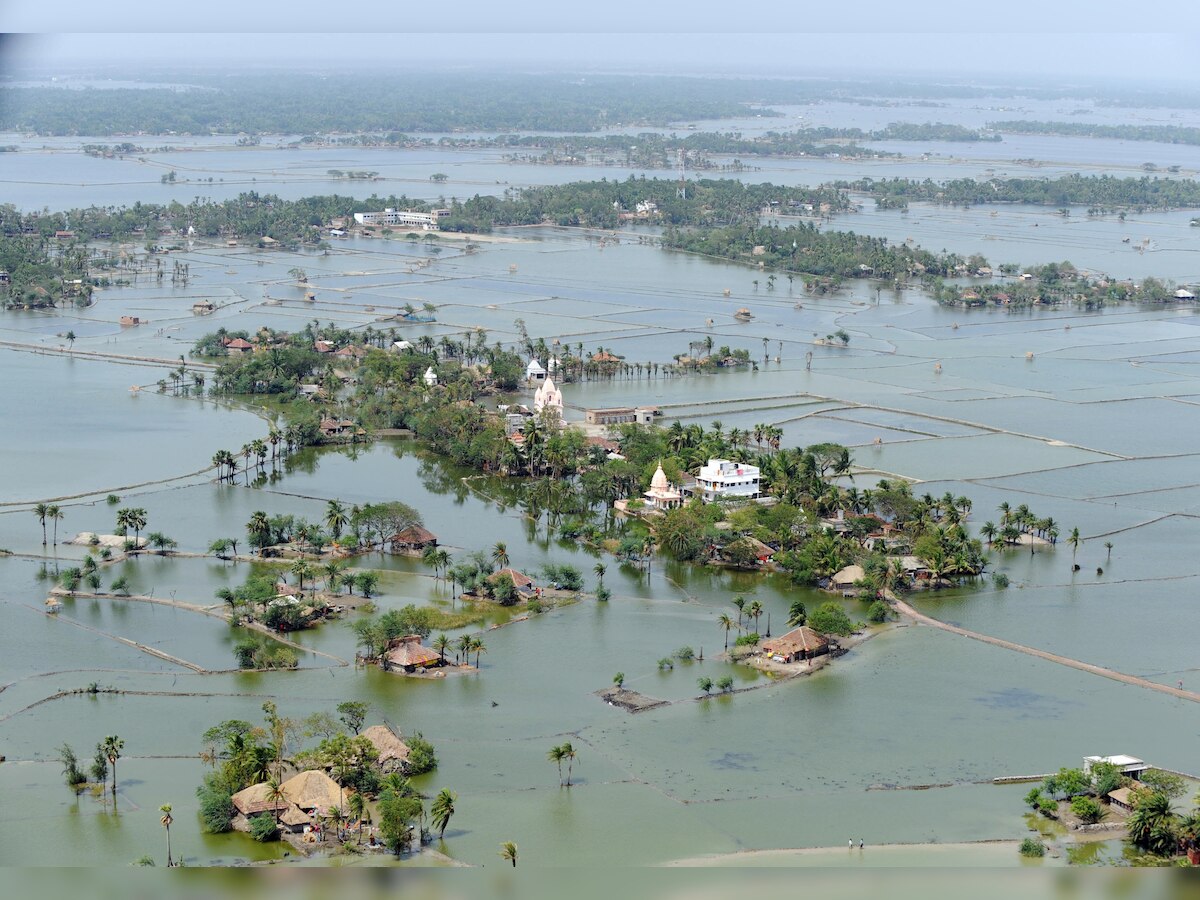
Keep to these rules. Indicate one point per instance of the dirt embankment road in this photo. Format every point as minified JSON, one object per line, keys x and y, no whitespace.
{"x":1092,"y":669}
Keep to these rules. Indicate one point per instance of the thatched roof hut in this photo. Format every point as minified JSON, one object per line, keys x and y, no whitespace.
{"x":255,"y":799}
{"x":294,"y":818}
{"x":799,"y":643}
{"x":413,"y":538}
{"x":520,"y":581}
{"x":392,"y":751}
{"x":312,"y":790}
{"x":847,"y":577}
{"x":408,"y":654}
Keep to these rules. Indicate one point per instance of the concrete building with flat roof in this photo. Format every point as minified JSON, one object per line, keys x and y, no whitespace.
{"x":723,"y":479}
{"x":402,"y":217}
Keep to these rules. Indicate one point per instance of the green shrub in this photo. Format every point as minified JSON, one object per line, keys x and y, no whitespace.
{"x":685,"y":653}
{"x":603,"y":594}
{"x":568,"y":578}
{"x":263,"y":828}
{"x":747,"y":640}
{"x":725,"y":683}
{"x":1032,"y":848}
{"x":504,"y":591}
{"x":830,"y":618}
{"x":216,"y":807}
{"x":999,"y":579}
{"x":534,"y":606}
{"x":421,"y":756}
{"x":260,"y":652}
{"x":878,"y":612}
{"x":1047,"y":806}
{"x":1087,"y":809}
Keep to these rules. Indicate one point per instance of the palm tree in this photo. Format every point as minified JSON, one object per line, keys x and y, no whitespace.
{"x":112,"y":747}
{"x":740,"y":602}
{"x":569,"y":755}
{"x":357,"y":805}
{"x":55,"y":513}
{"x":335,"y":813}
{"x":599,"y":569}
{"x":336,"y":518}
{"x":275,"y":794}
{"x":1153,"y":824}
{"x":508,"y":852}
{"x":500,"y":555}
{"x":333,"y":576}
{"x":166,"y":820}
{"x":222,"y":459}
{"x":442,"y":810}
{"x":755,"y":609}
{"x":259,"y":527}
{"x":988,"y":532}
{"x":1108,"y":545}
{"x":723,"y":621}
{"x":41,"y":511}
{"x":1074,"y":540}
{"x":478,"y":648}
{"x":430,"y":557}
{"x":441,"y":644}
{"x":302,"y":569}
{"x":556,"y":756}
{"x":797,"y":614}
{"x":465,"y":643}
{"x":259,"y":448}
{"x":137,"y":521}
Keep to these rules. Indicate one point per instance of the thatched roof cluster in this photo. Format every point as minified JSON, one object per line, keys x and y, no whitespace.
{"x":303,"y":795}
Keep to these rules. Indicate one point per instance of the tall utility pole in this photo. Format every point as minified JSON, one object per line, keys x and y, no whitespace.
{"x":681,"y":191}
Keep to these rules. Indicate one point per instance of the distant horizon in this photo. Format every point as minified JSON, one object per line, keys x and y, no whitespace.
{"x":978,"y":59}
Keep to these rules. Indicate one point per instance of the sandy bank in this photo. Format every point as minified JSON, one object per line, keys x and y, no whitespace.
{"x":953,"y":855}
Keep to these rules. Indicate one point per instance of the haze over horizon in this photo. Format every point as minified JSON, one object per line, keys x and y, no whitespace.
{"x":1008,"y":58}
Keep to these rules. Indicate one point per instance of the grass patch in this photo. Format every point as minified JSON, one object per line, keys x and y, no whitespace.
{"x":449,"y":620}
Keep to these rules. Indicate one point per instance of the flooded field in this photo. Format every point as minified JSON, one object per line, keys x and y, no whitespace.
{"x":1099,"y":430}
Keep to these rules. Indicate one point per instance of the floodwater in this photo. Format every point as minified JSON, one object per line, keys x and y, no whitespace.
{"x":1098,"y":430}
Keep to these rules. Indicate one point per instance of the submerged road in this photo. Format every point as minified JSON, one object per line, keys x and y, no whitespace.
{"x":1134,"y":680}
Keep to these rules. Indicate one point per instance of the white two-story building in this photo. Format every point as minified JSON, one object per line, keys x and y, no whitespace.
{"x":721,"y":479}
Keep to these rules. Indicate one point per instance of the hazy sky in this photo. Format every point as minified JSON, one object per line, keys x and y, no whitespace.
{"x":1066,"y":40}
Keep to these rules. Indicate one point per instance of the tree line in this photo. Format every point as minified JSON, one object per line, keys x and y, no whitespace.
{"x":1163,"y":134}
{"x":1099,"y":192}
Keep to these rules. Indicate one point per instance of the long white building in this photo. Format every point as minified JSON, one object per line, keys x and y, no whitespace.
{"x":425,"y":221}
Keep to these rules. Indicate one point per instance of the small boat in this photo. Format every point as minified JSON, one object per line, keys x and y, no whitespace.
{"x":53,"y":605}
{"x":743,"y":315}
